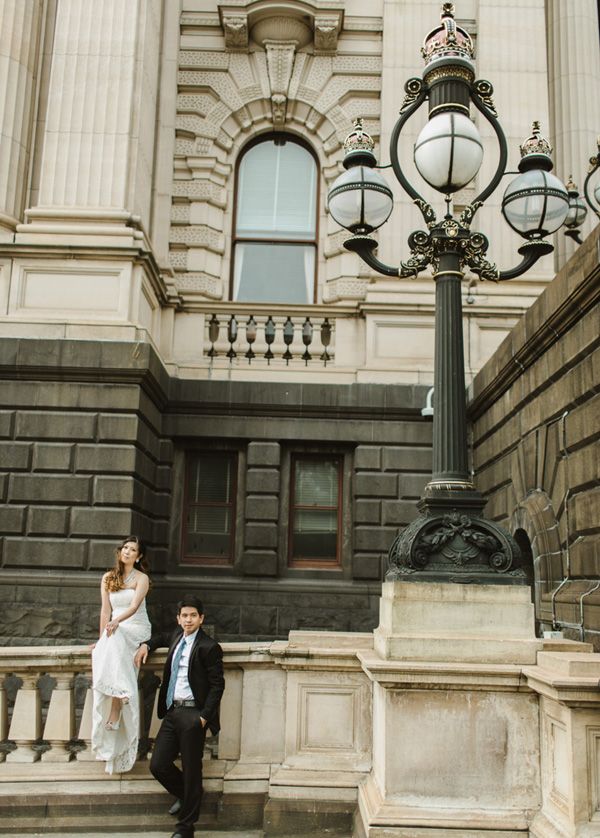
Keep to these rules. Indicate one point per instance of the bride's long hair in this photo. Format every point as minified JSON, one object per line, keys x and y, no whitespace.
{"x":115,"y":578}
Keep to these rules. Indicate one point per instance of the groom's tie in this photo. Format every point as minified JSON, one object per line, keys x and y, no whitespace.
{"x":174,"y":671}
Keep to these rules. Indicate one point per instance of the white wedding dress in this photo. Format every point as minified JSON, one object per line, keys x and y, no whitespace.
{"x":114,"y":674}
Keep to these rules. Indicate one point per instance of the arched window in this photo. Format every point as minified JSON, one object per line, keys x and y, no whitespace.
{"x":275,"y":226}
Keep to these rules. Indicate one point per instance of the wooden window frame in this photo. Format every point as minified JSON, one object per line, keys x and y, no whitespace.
{"x":311,"y":563}
{"x":232,"y":456}
{"x":235,"y":239}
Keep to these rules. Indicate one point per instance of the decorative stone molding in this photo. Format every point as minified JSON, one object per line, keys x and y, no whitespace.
{"x":203,"y":284}
{"x":280,"y":62}
{"x":327,"y":29}
{"x":235,"y":28}
{"x":338,"y":290}
{"x":241,"y":17}
{"x":286,"y":75}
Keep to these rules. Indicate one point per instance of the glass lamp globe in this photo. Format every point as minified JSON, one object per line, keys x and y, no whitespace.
{"x":360,"y":200}
{"x":576,"y":213}
{"x":535,"y":204}
{"x":448,"y":152}
{"x":597,"y":194}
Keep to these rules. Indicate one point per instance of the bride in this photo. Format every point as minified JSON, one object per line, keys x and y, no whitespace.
{"x":124,"y":625}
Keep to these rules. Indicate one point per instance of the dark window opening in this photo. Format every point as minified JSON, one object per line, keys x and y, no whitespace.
{"x":315,"y":511}
{"x":209,"y":507}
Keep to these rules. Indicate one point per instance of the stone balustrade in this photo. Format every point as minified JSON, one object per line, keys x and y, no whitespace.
{"x":302,"y":721}
{"x":271,"y":335}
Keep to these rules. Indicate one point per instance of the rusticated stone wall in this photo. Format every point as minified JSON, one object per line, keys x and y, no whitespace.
{"x":535,"y":412}
{"x":93,"y":437}
{"x":82,"y":464}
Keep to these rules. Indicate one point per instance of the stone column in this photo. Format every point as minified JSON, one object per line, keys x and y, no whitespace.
{"x":574,"y":80}
{"x":98,"y":143}
{"x":20,"y":22}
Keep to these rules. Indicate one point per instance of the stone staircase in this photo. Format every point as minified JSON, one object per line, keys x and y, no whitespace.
{"x":136,"y":806}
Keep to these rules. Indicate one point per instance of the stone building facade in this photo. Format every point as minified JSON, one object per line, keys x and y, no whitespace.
{"x":136,"y":350}
{"x":536,"y":446}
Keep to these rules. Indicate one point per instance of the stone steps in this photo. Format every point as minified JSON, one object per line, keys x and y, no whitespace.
{"x":84,"y":810}
{"x":139,"y":806}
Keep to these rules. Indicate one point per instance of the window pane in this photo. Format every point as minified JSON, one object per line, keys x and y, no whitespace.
{"x":210,"y":510}
{"x":209,"y":519}
{"x":315,"y":534}
{"x":315,"y":513}
{"x":316,"y":483}
{"x":208,"y":545}
{"x":274,"y":273}
{"x":277,"y":192}
{"x":210,"y":478}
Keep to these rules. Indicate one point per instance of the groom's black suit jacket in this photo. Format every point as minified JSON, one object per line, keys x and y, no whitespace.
{"x":205,"y":674}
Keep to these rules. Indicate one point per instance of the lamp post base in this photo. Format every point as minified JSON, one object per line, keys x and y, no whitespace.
{"x":450,"y":541}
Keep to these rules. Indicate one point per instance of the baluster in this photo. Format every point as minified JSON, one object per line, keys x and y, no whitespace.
{"x":288,"y":337}
{"x":325,"y":340}
{"x":60,"y":721}
{"x":232,"y":333}
{"x":213,"y":335}
{"x":26,"y":722}
{"x":85,"y":727}
{"x":269,"y":338}
{"x":307,"y":336}
{"x":250,"y":337}
{"x":3,"y":715}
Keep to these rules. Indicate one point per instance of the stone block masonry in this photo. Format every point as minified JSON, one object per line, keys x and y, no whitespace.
{"x":537,"y":445}
{"x":82,"y":466}
{"x":95,"y":442}
{"x":388,"y":482}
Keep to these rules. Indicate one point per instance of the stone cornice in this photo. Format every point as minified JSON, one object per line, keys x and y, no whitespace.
{"x":101,"y":362}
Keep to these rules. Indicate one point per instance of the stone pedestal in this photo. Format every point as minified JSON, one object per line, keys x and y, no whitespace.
{"x":451,"y":622}
{"x":455,"y":730}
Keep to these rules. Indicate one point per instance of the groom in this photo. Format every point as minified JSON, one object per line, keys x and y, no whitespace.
{"x":188,"y":703}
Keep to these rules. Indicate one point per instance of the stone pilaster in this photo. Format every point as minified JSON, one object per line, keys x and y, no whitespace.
{"x":19,"y":38}
{"x":262,"y":509}
{"x":573,"y":86}
{"x":98,"y":142}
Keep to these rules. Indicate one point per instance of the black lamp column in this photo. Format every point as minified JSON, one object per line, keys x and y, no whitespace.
{"x":450,"y":453}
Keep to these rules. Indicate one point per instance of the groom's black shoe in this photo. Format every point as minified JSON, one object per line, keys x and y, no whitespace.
{"x":174,"y":809}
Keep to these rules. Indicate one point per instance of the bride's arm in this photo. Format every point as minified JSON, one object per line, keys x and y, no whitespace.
{"x":105,"y":609}
{"x":141,"y":589}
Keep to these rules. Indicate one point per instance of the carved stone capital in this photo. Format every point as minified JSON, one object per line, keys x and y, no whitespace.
{"x":327,"y":28}
{"x":235,"y":29}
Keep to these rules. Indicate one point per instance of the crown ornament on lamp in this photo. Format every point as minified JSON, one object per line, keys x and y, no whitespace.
{"x":359,"y":142}
{"x":448,"y":40}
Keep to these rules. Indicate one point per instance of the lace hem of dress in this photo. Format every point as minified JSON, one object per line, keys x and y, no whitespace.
{"x":124,"y":761}
{"x":108,"y":689}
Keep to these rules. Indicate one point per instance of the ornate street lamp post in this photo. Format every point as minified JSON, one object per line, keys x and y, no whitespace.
{"x":450,"y":540}
{"x":594,"y":166}
{"x":577,"y":212}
